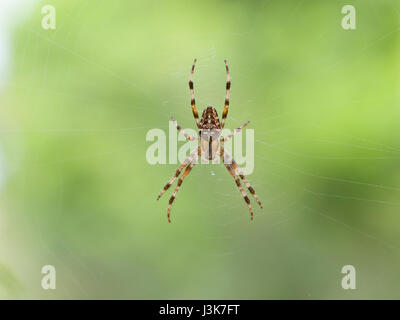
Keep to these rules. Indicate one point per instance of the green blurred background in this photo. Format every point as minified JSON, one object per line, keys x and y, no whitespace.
{"x":77,"y":192}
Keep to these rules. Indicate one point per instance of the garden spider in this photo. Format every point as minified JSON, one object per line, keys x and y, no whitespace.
{"x":210,"y":145}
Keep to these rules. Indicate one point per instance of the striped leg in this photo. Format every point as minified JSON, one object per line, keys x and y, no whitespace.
{"x":244,"y":195}
{"x":237,"y":169}
{"x":184,"y":175}
{"x":177,"y":173}
{"x":248,"y":185}
{"x":234,"y":132}
{"x":192,"y":100}
{"x":179,"y":128}
{"x":228,"y":87}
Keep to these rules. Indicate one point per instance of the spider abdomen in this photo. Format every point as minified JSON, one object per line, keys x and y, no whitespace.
{"x":209,"y":132}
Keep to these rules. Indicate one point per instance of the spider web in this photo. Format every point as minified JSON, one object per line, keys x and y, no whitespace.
{"x":228,"y":233}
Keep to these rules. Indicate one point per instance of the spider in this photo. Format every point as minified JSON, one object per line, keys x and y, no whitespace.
{"x":210,"y":145}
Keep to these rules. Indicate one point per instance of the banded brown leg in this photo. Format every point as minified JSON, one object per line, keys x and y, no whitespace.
{"x":247,"y":184}
{"x":177,"y":173}
{"x":244,"y":195}
{"x":238,"y":184}
{"x":179,"y":128}
{"x":192,"y":100}
{"x":228,"y":88}
{"x":184,"y":175}
{"x":237,"y":169}
{"x":237,"y":130}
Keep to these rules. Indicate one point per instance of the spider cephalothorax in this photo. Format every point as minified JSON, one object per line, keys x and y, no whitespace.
{"x":209,"y":119}
{"x":210,"y":145}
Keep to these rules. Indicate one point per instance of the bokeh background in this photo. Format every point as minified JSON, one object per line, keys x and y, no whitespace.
{"x":77,"y":192}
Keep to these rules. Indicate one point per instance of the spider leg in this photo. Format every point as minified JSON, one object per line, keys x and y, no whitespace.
{"x":241,"y":175}
{"x":244,"y":195}
{"x":228,"y":87}
{"x":233,"y":174}
{"x":234,"y":132}
{"x":179,"y":128}
{"x":184,"y":175}
{"x":192,"y":100}
{"x":248,"y":185}
{"x":177,"y":173}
